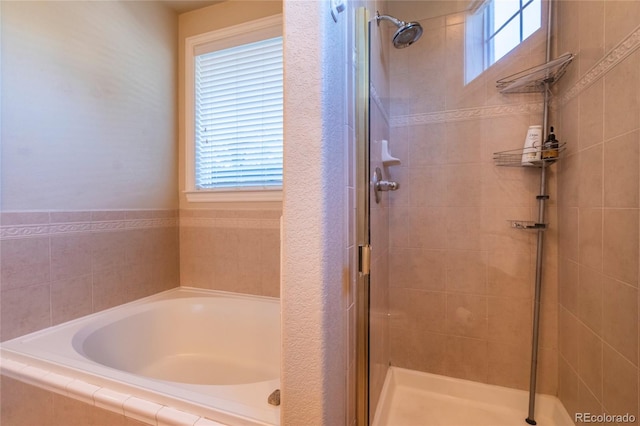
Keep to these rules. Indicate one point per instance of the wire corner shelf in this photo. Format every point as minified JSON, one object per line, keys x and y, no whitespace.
{"x":536,"y":78}
{"x":527,"y":225}
{"x":541,"y":157}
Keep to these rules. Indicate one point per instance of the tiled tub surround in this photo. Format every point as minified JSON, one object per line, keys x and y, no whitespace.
{"x":231,"y":250}
{"x":234,"y":346}
{"x":58,"y":266}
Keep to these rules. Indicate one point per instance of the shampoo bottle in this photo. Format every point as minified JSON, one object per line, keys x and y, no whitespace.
{"x":532,"y":146}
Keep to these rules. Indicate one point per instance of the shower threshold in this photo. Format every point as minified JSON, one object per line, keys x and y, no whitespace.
{"x":413,"y":398}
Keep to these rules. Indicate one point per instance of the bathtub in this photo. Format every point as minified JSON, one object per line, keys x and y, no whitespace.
{"x":191,"y":352}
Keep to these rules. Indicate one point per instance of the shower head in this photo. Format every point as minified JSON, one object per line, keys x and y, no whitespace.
{"x":407,"y":32}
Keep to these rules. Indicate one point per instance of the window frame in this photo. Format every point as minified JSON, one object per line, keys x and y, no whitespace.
{"x":490,"y":35}
{"x":479,"y":46}
{"x":236,"y":35}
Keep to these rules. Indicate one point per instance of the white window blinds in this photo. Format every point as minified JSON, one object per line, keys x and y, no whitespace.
{"x":238,"y":117}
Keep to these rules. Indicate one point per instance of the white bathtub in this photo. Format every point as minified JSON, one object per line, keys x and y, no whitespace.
{"x":214,"y":355}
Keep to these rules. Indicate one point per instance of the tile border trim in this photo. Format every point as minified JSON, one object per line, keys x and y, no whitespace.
{"x":466,"y":114}
{"x":26,"y":231}
{"x":210,"y":222}
{"x":619,"y":53}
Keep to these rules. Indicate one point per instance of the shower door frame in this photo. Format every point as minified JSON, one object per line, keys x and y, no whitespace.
{"x":363,"y":199}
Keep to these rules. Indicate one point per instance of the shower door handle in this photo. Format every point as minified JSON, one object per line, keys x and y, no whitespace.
{"x":380,"y":185}
{"x":387,"y":185}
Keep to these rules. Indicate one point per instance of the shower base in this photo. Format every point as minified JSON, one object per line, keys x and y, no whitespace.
{"x":413,"y":398}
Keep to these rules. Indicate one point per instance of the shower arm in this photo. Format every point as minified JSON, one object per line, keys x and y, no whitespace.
{"x":398,"y":23}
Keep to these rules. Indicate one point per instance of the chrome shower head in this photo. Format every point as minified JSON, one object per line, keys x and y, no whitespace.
{"x":407,"y":32}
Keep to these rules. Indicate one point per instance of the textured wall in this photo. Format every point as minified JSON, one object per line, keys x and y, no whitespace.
{"x":598,"y":184}
{"x":89,"y":111}
{"x":314,"y":271}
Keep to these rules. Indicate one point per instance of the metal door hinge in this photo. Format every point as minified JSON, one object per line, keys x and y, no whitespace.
{"x":364,"y":259}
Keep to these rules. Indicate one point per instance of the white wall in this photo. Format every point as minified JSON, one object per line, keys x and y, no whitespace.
{"x":89,"y":102}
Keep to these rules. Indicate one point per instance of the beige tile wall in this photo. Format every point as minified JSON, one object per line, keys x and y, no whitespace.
{"x":231,"y":250}
{"x":57,"y":266}
{"x":598,"y":193}
{"x":461,"y":280}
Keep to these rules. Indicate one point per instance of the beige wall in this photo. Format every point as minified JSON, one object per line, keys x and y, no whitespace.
{"x":599,"y":105}
{"x":88,"y":100}
{"x":461,"y":280}
{"x":89,"y":158}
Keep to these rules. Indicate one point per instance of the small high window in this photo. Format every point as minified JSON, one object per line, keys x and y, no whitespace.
{"x":496,"y":28}
{"x":234,"y":124}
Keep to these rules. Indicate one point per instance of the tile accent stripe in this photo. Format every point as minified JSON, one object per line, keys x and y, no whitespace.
{"x":465,"y":114}
{"x":625,"y":48}
{"x":25,"y":231}
{"x":210,"y":222}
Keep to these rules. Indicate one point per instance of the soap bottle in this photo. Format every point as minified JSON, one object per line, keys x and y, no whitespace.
{"x":550,"y":147}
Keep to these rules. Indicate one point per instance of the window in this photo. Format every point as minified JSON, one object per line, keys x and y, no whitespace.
{"x":495,"y":28}
{"x":233,"y":116}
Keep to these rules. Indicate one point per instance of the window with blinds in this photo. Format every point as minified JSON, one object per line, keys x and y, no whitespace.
{"x":235,"y":125}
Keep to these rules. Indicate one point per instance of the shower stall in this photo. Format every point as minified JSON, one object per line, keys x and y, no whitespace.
{"x":446,"y":294}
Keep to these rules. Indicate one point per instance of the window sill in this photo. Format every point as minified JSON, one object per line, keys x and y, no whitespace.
{"x":267,"y":195}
